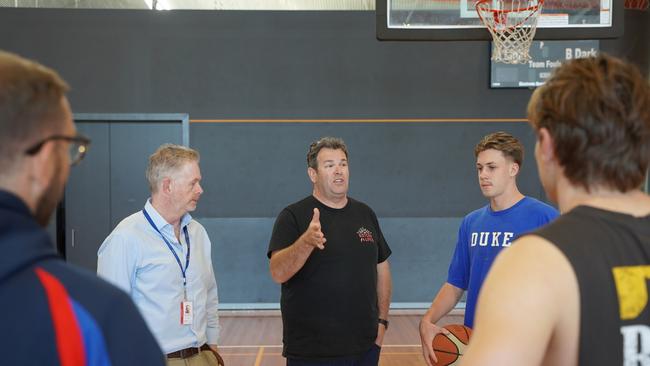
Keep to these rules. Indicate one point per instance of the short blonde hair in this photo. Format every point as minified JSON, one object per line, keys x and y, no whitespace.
{"x":504,"y":142}
{"x":30,"y":106}
{"x":168,"y":159}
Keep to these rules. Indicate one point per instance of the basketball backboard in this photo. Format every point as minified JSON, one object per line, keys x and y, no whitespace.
{"x":458,"y":20}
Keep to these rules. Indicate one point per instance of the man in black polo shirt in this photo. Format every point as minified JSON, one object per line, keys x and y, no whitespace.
{"x":330,"y":256}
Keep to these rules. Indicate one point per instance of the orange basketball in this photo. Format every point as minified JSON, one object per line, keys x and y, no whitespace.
{"x":449,"y":348}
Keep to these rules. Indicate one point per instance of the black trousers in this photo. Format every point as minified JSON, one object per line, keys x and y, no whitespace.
{"x":370,"y":358}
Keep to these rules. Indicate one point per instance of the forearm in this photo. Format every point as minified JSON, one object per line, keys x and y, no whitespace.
{"x":445,"y":300}
{"x":287,"y":262}
{"x":384,"y":289}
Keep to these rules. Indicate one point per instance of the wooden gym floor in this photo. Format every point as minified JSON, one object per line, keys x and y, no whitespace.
{"x":255,"y":338}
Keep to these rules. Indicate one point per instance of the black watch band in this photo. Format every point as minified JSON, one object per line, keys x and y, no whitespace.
{"x":384,"y":322}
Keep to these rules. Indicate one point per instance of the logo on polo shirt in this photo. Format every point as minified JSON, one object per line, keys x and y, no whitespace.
{"x":365,"y":235}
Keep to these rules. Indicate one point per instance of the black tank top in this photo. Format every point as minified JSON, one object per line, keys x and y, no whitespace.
{"x":610,"y":255}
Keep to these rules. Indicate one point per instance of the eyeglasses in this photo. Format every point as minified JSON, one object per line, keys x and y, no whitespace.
{"x":78,"y":146}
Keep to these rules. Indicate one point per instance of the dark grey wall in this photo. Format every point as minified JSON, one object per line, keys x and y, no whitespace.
{"x":266,"y":64}
{"x":254,"y":64}
{"x":214,"y":65}
{"x":418,"y":177}
{"x":400,"y":169}
{"x":635,"y":44}
{"x":644,"y":40}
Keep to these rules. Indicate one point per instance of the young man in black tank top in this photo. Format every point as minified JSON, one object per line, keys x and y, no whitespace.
{"x":574,"y":292}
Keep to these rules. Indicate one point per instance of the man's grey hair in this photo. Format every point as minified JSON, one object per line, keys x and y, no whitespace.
{"x":166,"y":161}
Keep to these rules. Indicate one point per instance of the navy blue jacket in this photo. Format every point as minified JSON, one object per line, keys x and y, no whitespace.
{"x":52,"y":313}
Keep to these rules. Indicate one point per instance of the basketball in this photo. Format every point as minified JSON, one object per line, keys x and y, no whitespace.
{"x":449,"y":348}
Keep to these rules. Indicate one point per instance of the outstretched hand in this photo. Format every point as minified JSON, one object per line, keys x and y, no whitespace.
{"x":313,"y":235}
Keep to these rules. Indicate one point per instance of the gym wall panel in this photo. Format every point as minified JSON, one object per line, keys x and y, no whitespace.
{"x":110,"y":183}
{"x":419,"y":177}
{"x":422,"y":248}
{"x":400,"y":169}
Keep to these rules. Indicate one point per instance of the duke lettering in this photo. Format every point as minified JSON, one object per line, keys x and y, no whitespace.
{"x":493,"y":239}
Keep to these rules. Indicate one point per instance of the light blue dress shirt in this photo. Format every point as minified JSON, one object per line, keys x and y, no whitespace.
{"x":135,"y":258}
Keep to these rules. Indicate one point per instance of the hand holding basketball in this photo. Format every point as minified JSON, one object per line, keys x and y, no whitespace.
{"x":449,"y":347}
{"x":313,"y":235}
{"x":428,"y":331}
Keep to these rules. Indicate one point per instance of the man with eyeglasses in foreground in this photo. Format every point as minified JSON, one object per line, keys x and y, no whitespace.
{"x":51,"y":312}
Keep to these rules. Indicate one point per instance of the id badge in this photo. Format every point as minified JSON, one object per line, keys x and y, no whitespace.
{"x":187,"y":312}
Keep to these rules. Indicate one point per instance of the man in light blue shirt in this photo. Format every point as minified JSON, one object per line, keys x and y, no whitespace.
{"x":162,"y":258}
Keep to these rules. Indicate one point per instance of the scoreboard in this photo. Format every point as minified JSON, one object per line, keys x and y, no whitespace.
{"x":546,"y":56}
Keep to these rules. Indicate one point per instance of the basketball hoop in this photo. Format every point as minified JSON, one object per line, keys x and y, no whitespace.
{"x":512,"y":24}
{"x":637,"y":4}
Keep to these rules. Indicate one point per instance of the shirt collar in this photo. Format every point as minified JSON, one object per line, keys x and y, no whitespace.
{"x":11,"y":202}
{"x":159,"y":221}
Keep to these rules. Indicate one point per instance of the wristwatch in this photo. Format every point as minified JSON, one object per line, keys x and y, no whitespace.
{"x":384,"y":322}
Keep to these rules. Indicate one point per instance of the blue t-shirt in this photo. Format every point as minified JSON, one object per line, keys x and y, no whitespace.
{"x":482,"y":235}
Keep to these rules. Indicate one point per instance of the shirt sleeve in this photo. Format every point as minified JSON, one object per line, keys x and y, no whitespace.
{"x":117,"y":261}
{"x":551,"y":215}
{"x":382,"y":246}
{"x":285,"y":232}
{"x":213,"y":328}
{"x":459,"y":268}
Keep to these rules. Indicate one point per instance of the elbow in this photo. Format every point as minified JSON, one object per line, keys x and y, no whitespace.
{"x":277,"y":279}
{"x":276,"y":275}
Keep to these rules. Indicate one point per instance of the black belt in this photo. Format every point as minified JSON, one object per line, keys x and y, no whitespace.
{"x":188,"y":352}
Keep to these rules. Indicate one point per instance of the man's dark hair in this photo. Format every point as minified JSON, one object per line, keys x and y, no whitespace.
{"x":333,"y":143}
{"x":504,"y":142}
{"x":30,"y":101}
{"x":597,"y":111}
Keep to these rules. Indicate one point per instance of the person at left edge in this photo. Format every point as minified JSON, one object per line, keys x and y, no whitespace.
{"x":51,"y":312}
{"x":162,"y":258}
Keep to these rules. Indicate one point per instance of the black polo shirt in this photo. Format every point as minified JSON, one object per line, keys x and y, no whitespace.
{"x":329,"y":307}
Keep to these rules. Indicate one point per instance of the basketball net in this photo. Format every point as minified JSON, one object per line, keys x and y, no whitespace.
{"x":512,"y":24}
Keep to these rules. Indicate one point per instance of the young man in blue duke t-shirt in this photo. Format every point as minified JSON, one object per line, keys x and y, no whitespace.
{"x":485,"y":232}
